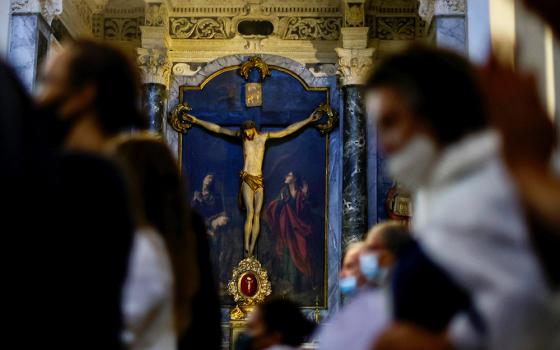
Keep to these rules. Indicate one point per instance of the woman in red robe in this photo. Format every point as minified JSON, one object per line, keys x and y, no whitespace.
{"x":289,"y":218}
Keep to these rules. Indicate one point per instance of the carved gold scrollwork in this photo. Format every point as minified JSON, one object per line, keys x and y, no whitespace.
{"x":249,"y":267}
{"x":179,"y":118}
{"x":254,"y":62}
{"x":200,"y":28}
{"x":332,"y":119}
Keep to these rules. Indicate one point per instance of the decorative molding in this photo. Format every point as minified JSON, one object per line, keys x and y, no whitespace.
{"x":449,"y":7}
{"x":185,"y":69}
{"x":155,"y":66}
{"x":427,"y":9}
{"x":121,"y":29}
{"x":395,"y":28}
{"x":257,"y":63}
{"x":200,"y":28}
{"x":47,"y":8}
{"x":354,"y":13}
{"x":77,"y":17}
{"x":155,"y":15}
{"x":322,"y":70}
{"x":26,"y":6}
{"x":310,"y":28}
{"x":354,"y":37}
{"x":354,"y":65}
{"x":237,"y":60}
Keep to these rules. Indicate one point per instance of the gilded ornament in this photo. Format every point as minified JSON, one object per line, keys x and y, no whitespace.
{"x":249,"y":284}
{"x":179,"y":118}
{"x":332,"y":119}
{"x":254,"y":62}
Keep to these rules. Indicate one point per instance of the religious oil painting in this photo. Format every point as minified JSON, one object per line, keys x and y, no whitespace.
{"x":291,"y":243}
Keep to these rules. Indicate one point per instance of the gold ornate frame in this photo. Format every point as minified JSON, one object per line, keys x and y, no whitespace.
{"x":326,"y":108}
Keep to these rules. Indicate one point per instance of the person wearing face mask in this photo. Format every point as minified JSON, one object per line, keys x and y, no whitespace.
{"x":89,"y":92}
{"x":382,"y":245}
{"x":468,"y":220}
{"x":367,"y":311}
{"x":350,"y":279}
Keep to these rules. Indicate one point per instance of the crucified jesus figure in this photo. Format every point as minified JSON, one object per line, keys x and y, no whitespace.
{"x":252,"y":187}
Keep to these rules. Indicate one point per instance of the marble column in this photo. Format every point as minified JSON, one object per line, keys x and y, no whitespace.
{"x":153,"y":104}
{"x":28,"y":46}
{"x":354,"y":63}
{"x":446,"y":23}
{"x":354,"y":165}
{"x":30,"y":36}
{"x":156,"y":68}
{"x":154,"y":63}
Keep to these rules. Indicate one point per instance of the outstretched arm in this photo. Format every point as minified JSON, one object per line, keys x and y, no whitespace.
{"x":294,"y":127}
{"x":212,"y":127}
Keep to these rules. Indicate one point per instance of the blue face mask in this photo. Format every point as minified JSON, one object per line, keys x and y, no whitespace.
{"x":348,"y":285}
{"x":369,"y":266}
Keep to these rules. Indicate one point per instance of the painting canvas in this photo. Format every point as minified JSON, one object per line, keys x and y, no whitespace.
{"x":291,"y":245}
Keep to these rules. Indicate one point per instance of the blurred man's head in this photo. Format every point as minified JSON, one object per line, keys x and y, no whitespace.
{"x":277,"y":322}
{"x":93,"y":82}
{"x":423,"y":100}
{"x":350,"y":276}
{"x":381,"y":247}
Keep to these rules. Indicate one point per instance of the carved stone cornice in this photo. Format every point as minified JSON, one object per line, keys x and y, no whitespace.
{"x":47,"y":8}
{"x":354,"y":13}
{"x":154,"y":65}
{"x":156,"y":14}
{"x":429,"y":8}
{"x":354,"y":65}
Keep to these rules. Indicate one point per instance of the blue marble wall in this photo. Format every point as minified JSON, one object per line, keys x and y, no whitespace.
{"x":451,"y":33}
{"x":153,"y":104}
{"x":28,"y":46}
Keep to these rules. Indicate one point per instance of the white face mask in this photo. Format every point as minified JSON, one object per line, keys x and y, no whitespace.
{"x":411,"y":165}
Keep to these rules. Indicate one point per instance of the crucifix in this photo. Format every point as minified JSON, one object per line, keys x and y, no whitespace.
{"x":252,"y":186}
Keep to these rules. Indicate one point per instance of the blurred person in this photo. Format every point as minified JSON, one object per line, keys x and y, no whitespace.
{"x":368,"y":312}
{"x":89,"y":92}
{"x":468,"y":218}
{"x":548,"y":10}
{"x":382,"y":245}
{"x":163,"y":276}
{"x":82,"y":222}
{"x":350,"y":278}
{"x":529,"y":138}
{"x":205,"y":330}
{"x":277,"y":324}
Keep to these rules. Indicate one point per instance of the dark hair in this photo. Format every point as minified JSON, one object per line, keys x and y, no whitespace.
{"x":248,"y":124}
{"x":395,"y":238}
{"x":441,"y":88}
{"x":159,"y":200}
{"x":117,"y":83}
{"x":285,"y":317}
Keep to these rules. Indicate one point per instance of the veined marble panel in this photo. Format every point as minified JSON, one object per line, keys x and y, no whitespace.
{"x":23,"y":48}
{"x":450,"y":32}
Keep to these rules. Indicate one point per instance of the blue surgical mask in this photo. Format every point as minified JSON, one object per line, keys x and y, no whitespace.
{"x":348,"y":285}
{"x":369,"y":266}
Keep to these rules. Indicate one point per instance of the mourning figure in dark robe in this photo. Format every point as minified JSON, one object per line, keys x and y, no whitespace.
{"x":290,"y":220}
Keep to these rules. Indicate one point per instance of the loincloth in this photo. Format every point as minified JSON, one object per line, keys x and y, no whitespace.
{"x":255,"y":182}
